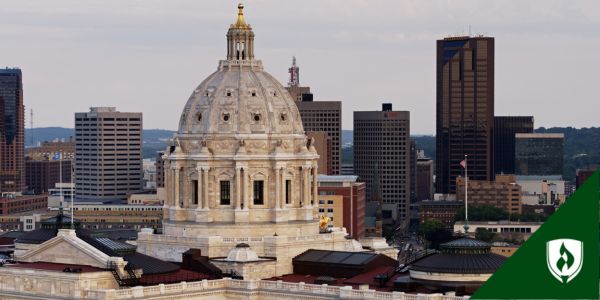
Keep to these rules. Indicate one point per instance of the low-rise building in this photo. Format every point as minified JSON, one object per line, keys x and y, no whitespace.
{"x":542,"y":190}
{"x":504,"y":249}
{"x":343,"y":198}
{"x":445,"y":211}
{"x":507,"y":227}
{"x":504,"y":192}
{"x":12,"y":203}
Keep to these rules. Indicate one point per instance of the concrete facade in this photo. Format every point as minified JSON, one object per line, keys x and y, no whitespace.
{"x":382,"y":138}
{"x":108,"y":154}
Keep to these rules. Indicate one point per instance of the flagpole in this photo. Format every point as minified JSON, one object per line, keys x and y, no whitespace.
{"x":62,"y":197}
{"x":72,"y":197}
{"x":466,"y":196}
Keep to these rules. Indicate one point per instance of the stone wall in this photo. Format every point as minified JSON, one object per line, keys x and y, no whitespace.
{"x":40,"y":284}
{"x":252,"y":289}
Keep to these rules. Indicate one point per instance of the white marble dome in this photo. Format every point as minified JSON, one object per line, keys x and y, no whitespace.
{"x":240,"y":98}
{"x":242,"y":253}
{"x":240,"y":163}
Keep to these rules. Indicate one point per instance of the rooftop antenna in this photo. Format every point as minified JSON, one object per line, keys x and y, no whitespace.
{"x":31,"y":128}
{"x":469,"y":30}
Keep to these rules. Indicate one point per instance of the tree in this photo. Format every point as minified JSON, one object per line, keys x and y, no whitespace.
{"x":434,"y":232}
{"x":484,"y":235}
{"x":482,"y":212}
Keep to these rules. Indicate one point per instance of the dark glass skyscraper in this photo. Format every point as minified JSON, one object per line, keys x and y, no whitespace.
{"x":505,"y":129}
{"x":465,"y":109}
{"x":12,"y":115}
{"x":539,"y":153}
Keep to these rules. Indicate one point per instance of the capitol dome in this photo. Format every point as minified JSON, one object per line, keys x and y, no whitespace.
{"x":240,"y":160}
{"x":240,"y":97}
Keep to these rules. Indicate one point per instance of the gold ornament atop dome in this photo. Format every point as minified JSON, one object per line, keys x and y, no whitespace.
{"x":240,"y":22}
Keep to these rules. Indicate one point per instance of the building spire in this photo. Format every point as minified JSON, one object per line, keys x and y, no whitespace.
{"x":240,"y":22}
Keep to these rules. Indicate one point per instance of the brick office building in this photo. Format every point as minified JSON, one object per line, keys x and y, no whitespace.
{"x":353,"y":198}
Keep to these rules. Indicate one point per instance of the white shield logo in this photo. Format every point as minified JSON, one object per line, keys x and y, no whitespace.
{"x":564,"y":258}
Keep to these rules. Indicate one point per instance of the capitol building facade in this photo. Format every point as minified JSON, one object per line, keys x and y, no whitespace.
{"x":240,"y":169}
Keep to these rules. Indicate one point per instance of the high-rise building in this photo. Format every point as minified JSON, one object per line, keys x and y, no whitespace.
{"x":160,"y":169}
{"x":12,"y":118}
{"x":382,"y":138}
{"x":424,"y":178}
{"x":108,"y":154}
{"x":322,"y":142}
{"x":413,"y":171}
{"x":538,"y":153}
{"x":318,"y":116}
{"x":42,"y":175}
{"x":505,"y":128}
{"x":465,"y":109}
{"x":325,"y":116}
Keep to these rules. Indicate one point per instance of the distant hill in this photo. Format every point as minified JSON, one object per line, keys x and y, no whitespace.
{"x":582,"y":147}
{"x":154,"y":139}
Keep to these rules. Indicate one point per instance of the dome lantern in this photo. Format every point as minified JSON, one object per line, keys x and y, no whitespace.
{"x":240,"y":39}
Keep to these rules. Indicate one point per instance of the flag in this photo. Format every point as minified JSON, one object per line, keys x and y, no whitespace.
{"x":463,"y":163}
{"x":57,"y":156}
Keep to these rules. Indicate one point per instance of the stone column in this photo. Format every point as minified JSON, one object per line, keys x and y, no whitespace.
{"x":238,"y":188}
{"x":283,"y":187}
{"x":168,"y":185}
{"x":305,"y":187}
{"x":205,"y":202}
{"x":277,"y":188}
{"x":200,"y":204}
{"x":177,"y":185}
{"x":247,"y":190}
{"x":315,"y":193}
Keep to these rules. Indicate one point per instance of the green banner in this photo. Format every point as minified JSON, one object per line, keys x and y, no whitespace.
{"x":560,"y":260}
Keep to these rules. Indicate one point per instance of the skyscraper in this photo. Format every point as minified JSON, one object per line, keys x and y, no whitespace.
{"x":12,"y":147}
{"x":505,"y":129}
{"x":539,"y":153}
{"x":382,"y":138}
{"x":108,"y":154}
{"x":318,"y":116}
{"x":465,"y":109}
{"x":325,"y":116}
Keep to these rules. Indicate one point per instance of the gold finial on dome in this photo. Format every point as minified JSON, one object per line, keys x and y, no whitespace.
{"x":240,"y":22}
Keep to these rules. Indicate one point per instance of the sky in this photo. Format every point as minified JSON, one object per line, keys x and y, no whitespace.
{"x":149,"y":55}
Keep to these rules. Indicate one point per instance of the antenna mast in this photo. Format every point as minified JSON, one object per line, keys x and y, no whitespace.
{"x":31,"y":127}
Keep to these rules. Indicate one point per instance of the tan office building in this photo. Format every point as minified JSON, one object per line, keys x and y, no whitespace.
{"x":504,"y":192}
{"x":108,"y":154}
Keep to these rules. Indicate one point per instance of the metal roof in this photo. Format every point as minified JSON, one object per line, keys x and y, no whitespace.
{"x":460,"y":263}
{"x":337,"y":178}
{"x":465,"y":243}
{"x":335,"y":257}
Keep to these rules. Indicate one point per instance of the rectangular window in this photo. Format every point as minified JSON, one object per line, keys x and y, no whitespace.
{"x":288,"y":191}
{"x":225,"y":192}
{"x":259,"y":192}
{"x":195,"y":183}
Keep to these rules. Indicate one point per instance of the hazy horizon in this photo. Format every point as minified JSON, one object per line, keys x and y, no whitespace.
{"x":148,"y":56}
